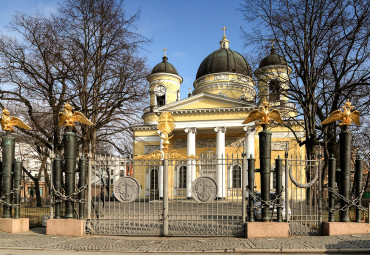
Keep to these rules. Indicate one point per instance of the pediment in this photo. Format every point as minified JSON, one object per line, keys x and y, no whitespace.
{"x":204,"y":101}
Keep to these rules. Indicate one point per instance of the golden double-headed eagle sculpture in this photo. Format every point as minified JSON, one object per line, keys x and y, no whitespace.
{"x":7,"y":121}
{"x":346,"y":116}
{"x":264,"y":115}
{"x":68,"y":117}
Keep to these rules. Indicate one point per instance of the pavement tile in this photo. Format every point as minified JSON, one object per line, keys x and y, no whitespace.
{"x":305,"y":244}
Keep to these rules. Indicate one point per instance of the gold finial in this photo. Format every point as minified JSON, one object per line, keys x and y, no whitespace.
{"x":224,"y":28}
{"x":7,"y":121}
{"x":264,"y":115}
{"x":69,"y":117}
{"x":164,"y":50}
{"x":166,"y":124}
{"x":347,"y":117}
{"x":272,"y":46}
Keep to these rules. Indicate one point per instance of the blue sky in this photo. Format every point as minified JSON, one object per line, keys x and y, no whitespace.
{"x":190,"y":29}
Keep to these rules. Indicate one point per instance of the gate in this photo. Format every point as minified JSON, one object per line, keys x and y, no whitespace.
{"x":303,"y":196}
{"x":127,"y":197}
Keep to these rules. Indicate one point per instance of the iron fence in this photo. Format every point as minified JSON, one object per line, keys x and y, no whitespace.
{"x":201,"y":197}
{"x":303,"y":196}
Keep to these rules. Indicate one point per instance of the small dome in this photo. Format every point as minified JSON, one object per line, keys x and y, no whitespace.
{"x":273,"y":59}
{"x":224,"y":60}
{"x":164,"y":67}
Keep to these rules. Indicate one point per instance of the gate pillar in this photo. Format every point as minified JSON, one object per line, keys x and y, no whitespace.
{"x":265,"y":165}
{"x":81,"y":183}
{"x":279,"y":186}
{"x":17,"y":186}
{"x":358,"y":179}
{"x":251,"y":168}
{"x":345,"y":141}
{"x":57,"y":183}
{"x":8,"y":146}
{"x":70,"y":149}
{"x":331,"y":175}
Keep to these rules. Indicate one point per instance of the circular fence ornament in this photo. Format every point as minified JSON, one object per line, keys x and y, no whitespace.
{"x":126,"y":189}
{"x":204,"y":189}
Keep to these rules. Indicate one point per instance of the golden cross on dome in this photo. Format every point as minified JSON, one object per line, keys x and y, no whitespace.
{"x":224,"y":30}
{"x":164,"y":50}
{"x":272,"y":43}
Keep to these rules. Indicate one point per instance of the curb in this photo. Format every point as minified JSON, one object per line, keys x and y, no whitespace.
{"x":247,"y":251}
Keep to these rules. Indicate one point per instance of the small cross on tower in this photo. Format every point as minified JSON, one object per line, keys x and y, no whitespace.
{"x":164,"y":50}
{"x":224,"y":28}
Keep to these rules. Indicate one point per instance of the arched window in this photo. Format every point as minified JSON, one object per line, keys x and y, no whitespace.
{"x":274,"y":91}
{"x":153,"y":179}
{"x":178,"y":95}
{"x":182,"y":177}
{"x":237,"y":176}
{"x":161,"y":100}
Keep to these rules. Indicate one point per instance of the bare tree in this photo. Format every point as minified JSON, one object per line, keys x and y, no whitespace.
{"x":87,"y":54}
{"x":326,"y":45}
{"x":108,"y":76}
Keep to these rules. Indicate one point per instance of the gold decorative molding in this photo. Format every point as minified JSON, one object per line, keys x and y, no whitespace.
{"x":166,"y":124}
{"x":347,"y":117}
{"x":153,"y":155}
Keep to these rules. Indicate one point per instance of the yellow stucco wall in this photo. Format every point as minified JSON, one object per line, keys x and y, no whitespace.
{"x":205,"y":103}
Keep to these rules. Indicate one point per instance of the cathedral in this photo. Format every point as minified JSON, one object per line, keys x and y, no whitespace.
{"x":208,"y":123}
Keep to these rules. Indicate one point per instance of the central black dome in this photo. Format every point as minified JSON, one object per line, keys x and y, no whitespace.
{"x":224,"y":60}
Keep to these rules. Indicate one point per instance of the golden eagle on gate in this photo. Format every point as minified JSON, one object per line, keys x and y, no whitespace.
{"x":7,"y":121}
{"x":69,"y":117}
{"x":347,"y":117}
{"x":264,"y":114}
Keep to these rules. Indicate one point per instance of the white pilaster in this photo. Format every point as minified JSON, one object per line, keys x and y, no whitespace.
{"x":190,"y":172}
{"x":160,"y":175}
{"x":220,"y":151}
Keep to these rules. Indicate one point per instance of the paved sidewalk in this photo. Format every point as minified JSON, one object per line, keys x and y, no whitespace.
{"x":37,"y":240}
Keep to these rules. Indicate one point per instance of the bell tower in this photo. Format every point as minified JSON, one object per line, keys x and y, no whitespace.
{"x":164,"y":86}
{"x":273,"y":78}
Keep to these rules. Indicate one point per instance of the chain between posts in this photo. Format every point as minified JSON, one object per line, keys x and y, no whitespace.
{"x":306,"y":185}
{"x":350,"y":203}
{"x":265,"y":203}
{"x":71,"y":198}
{"x":5,"y":196}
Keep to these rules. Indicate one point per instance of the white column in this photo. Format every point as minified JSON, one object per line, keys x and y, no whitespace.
{"x":249,"y":140}
{"x":190,"y":170}
{"x":220,"y":152}
{"x":160,"y":175}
